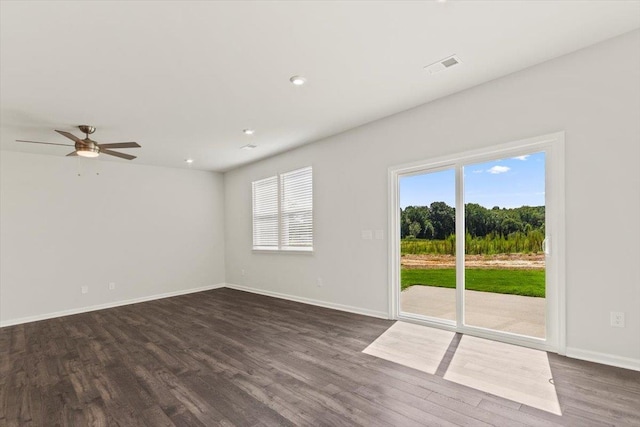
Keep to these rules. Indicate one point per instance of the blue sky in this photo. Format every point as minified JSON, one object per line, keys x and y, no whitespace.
{"x":508,"y":183}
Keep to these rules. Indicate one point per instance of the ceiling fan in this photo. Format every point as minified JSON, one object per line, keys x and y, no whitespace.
{"x":89,"y":148}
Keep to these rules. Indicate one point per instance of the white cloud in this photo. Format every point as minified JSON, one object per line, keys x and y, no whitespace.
{"x":478,"y":171}
{"x":499,"y":169}
{"x":523,"y":158}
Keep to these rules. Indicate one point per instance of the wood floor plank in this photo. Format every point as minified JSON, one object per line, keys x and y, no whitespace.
{"x":474,"y":412}
{"x":512,"y":414}
{"x":409,"y":411}
{"x":227,"y":358}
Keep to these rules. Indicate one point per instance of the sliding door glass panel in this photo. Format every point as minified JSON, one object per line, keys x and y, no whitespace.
{"x":427,"y":245}
{"x":504,"y":232}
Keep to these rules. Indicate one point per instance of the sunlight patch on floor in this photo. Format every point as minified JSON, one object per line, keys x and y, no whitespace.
{"x":513,"y":372}
{"x":516,"y":373}
{"x":416,"y":346}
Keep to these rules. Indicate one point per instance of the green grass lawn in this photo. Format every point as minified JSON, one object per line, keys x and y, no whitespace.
{"x":517,"y":282}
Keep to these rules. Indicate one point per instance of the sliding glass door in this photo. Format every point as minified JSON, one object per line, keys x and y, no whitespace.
{"x":472,"y":246}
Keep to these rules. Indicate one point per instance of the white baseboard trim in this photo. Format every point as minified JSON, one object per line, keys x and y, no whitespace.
{"x":604,"y":358}
{"x":311,"y":301}
{"x":72,"y":311}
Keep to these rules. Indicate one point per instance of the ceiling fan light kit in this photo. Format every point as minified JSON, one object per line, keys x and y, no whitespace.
{"x":87,"y":151}
{"x":88,"y":148}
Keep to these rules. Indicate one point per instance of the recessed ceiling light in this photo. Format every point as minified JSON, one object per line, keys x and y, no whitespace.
{"x":248,"y":147}
{"x":249,"y":131}
{"x":188,"y":160}
{"x":298,"y":80}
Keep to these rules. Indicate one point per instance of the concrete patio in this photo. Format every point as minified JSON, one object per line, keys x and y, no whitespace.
{"x":502,"y":312}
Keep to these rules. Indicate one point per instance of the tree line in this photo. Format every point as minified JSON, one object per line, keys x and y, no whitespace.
{"x":437,"y":221}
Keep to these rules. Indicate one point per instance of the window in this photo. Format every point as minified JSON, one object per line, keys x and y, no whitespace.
{"x":283,"y":212}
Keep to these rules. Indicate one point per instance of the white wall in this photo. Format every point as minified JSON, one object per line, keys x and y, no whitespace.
{"x":151,"y":230}
{"x":593,"y":95}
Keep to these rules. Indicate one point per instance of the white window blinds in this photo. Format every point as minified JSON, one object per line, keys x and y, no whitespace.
{"x":265,"y":213}
{"x":283,"y":211}
{"x":296,"y":230}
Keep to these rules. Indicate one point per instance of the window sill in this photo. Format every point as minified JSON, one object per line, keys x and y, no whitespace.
{"x":309,"y":251}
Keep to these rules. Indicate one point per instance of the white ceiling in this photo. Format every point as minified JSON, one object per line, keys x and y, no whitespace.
{"x":184,"y":78}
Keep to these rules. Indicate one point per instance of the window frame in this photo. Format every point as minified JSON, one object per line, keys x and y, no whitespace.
{"x":281,"y":246}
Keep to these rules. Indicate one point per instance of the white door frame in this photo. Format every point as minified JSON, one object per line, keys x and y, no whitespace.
{"x":553,"y":146}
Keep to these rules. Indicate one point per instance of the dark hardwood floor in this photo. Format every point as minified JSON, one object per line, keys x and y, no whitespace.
{"x":226,"y":357}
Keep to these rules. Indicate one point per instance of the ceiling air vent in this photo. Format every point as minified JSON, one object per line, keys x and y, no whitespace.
{"x":443,"y":64}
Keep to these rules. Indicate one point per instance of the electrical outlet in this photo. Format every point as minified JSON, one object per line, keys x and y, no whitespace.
{"x":617,"y":319}
{"x":319,"y":282}
{"x":84,"y":289}
{"x":112,"y":286}
{"x":367,"y":235}
{"x":244,"y":272}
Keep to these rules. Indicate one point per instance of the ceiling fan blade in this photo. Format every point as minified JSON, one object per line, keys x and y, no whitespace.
{"x":73,"y":153}
{"x":120,"y":145}
{"x":47,"y":143}
{"x":117,"y":154}
{"x":69,"y":135}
